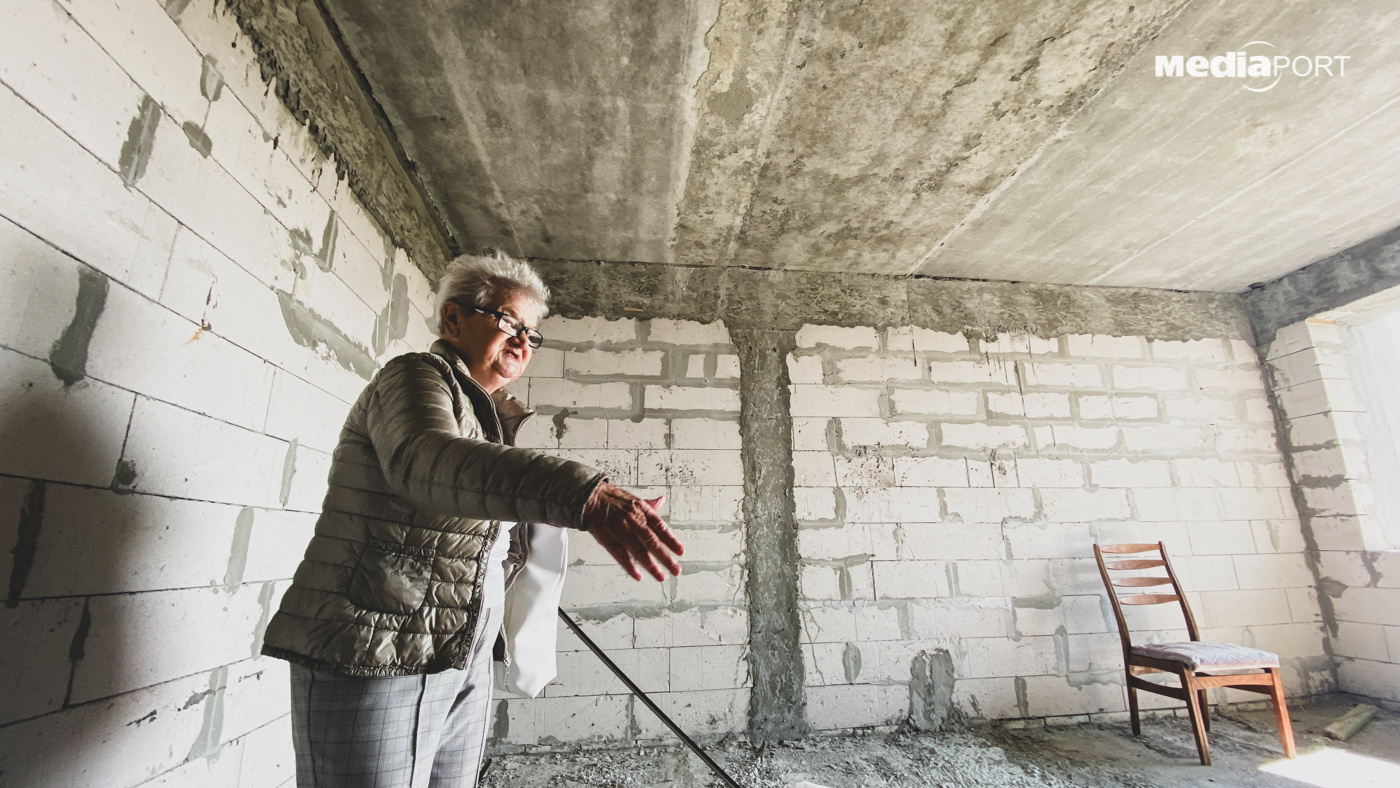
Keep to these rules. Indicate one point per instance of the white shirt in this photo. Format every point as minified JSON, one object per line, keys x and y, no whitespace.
{"x":494,"y":591}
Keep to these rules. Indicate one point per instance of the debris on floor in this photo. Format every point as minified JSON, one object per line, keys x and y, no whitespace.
{"x":1103,"y":755}
{"x":1348,"y":724}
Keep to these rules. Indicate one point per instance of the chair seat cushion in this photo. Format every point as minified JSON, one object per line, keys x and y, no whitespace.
{"x":1209,"y":656}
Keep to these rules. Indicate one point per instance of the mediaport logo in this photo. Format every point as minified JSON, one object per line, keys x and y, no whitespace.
{"x":1258,"y":64}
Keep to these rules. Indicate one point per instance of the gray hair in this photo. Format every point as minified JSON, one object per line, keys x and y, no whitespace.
{"x":487,"y":280}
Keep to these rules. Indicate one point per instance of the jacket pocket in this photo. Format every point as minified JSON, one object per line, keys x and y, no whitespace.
{"x":391,"y":578}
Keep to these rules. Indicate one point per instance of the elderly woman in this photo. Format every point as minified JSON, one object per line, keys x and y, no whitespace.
{"x":392,"y":615}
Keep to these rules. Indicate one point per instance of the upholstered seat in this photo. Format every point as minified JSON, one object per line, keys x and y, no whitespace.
{"x":1209,"y":657}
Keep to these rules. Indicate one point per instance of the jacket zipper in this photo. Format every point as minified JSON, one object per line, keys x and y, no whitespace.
{"x":495,"y":530}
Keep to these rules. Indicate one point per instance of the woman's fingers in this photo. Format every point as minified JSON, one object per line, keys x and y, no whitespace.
{"x":638,"y":536}
{"x":629,"y":528}
{"x":657,"y":540}
{"x":621,"y":556}
{"x":667,"y":538}
{"x":659,"y":527}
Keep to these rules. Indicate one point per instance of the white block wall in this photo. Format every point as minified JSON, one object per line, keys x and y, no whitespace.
{"x":950,"y":489}
{"x":1360,"y":571}
{"x":158,"y":505}
{"x":655,"y":404}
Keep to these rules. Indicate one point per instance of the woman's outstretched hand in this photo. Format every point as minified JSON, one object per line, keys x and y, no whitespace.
{"x":631,"y":531}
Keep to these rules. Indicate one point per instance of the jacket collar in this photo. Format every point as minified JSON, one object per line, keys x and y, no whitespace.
{"x":507,"y":408}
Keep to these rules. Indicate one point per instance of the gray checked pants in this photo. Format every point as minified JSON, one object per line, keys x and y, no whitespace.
{"x":424,"y":731}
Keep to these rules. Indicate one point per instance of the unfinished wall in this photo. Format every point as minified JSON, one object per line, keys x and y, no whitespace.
{"x":950,"y":489}
{"x":1353,"y":557}
{"x":938,"y":493}
{"x":190,"y":300}
{"x":655,"y":403}
{"x":1359,"y":570}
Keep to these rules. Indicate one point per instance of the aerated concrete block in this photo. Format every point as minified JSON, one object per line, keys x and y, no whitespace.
{"x":635,"y":363}
{"x":589,"y":329}
{"x":1130,"y":473}
{"x":146,"y":732}
{"x":930,"y":472}
{"x":1213,"y":350}
{"x":39,"y":296}
{"x":57,"y":432}
{"x":177,"y":362}
{"x":933,"y":402}
{"x":982,"y":505}
{"x":1063,"y":505}
{"x":1064,"y":375}
{"x":149,"y":46}
{"x":980,"y":540}
{"x":837,"y":337}
{"x":216,"y":628}
{"x":687,"y":332}
{"x":58,"y":68}
{"x":982,"y":436}
{"x":878,"y":368}
{"x":1027,"y":344}
{"x":96,"y":541}
{"x":37,"y":666}
{"x":268,"y":755}
{"x":56,"y":190}
{"x":691,"y":398}
{"x":1101,"y":346}
{"x":856,"y":706}
{"x":926,"y":340}
{"x":558,"y":393}
{"x":703,"y":713}
{"x":1152,"y":378}
{"x":172,"y":451}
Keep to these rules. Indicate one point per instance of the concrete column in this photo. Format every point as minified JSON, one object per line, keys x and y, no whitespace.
{"x":778,"y":705}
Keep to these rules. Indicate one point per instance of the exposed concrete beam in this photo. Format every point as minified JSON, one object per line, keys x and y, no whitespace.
{"x":1346,"y":277}
{"x":301,"y":52}
{"x":786,"y":300}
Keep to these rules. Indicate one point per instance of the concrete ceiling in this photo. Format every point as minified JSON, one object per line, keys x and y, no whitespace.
{"x":1015,"y":140}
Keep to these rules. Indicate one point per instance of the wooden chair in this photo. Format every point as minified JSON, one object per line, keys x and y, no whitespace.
{"x":1197,"y":665}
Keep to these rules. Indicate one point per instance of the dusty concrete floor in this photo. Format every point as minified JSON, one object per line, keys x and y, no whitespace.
{"x":1087,"y":756}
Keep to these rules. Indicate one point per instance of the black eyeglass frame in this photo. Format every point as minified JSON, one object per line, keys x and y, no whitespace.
{"x":504,"y":323}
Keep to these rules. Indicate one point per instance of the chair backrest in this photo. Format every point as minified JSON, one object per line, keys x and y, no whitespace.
{"x":1121,"y":586}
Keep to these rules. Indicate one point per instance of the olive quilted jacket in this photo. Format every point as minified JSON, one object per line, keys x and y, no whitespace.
{"x":423,"y":476}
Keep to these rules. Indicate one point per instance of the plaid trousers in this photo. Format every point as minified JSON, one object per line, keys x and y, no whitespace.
{"x":426,"y":731}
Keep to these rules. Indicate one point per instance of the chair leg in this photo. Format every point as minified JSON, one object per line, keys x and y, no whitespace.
{"x":1205,"y":709}
{"x":1285,"y":726}
{"x":1133,"y":706}
{"x":1193,"y":704}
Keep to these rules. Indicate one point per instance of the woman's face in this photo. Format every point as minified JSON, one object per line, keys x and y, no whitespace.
{"x":494,"y":358}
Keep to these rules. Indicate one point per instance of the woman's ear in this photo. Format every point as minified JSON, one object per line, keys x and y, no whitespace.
{"x":451,"y":319}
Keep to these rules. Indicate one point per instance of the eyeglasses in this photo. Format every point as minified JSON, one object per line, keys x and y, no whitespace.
{"x":511,"y":326}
